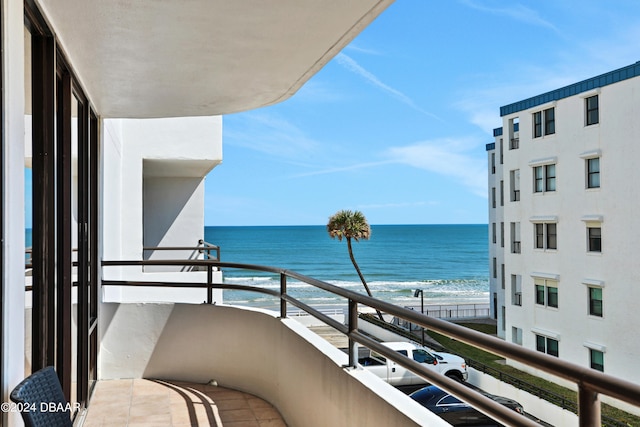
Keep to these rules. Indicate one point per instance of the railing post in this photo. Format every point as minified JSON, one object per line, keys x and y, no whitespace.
{"x":353,"y":327}
{"x":209,"y":282}
{"x":588,"y":407}
{"x":283,"y":292}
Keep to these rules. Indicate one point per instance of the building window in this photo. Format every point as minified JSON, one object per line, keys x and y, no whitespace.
{"x":540,"y":294}
{"x":493,"y":197}
{"x":549,"y":121}
{"x":547,"y":345}
{"x":495,"y":267}
{"x":544,"y":122}
{"x":494,"y":233}
{"x":545,"y":235}
{"x":501,"y":193}
{"x":544,"y":178}
{"x":493,"y":163}
{"x":516,"y":289}
{"x":591,"y":107}
{"x":502,"y":234}
{"x":595,"y":302}
{"x":596,"y":358}
{"x":594,"y":235}
{"x":552,"y":297}
{"x":537,"y":124}
{"x":515,"y":238}
{"x":516,"y":335}
{"x":546,"y":292}
{"x":593,"y":172}
{"x":514,"y":140}
{"x":515,"y":185}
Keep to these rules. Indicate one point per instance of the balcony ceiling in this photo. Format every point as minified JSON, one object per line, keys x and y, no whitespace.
{"x":170,"y":58}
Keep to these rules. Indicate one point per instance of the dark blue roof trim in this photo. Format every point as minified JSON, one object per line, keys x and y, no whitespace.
{"x":497,"y":132}
{"x":491,"y":146}
{"x":611,"y":77}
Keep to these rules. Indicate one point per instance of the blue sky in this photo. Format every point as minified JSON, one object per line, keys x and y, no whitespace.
{"x":396,"y":124}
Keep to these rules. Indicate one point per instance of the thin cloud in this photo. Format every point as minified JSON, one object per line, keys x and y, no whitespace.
{"x":517,"y":12}
{"x":342,"y":169}
{"x":446,"y":157}
{"x":359,"y":49}
{"x":351,"y":65}
{"x":271,"y":134}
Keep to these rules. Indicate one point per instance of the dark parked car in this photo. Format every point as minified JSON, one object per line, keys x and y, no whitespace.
{"x":456,"y":412}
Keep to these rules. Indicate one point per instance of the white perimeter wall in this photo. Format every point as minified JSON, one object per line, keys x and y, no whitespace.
{"x":254,"y":351}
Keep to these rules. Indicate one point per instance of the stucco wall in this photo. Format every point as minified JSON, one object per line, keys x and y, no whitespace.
{"x":154,"y":173}
{"x":254,"y":351}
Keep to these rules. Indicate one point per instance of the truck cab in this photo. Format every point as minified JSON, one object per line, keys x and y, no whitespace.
{"x":444,"y":363}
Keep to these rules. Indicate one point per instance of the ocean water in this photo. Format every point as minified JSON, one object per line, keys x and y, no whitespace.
{"x":448,"y":262}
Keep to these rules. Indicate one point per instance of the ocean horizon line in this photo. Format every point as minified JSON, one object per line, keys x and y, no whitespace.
{"x":324,"y":225}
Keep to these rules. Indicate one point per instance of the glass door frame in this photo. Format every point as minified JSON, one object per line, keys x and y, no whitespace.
{"x":57,"y":95}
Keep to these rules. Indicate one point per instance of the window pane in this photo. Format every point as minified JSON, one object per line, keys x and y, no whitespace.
{"x":539,"y":294}
{"x":537,"y":124}
{"x":541,"y":343}
{"x":549,"y":121}
{"x":551,"y":236}
{"x":595,"y":302}
{"x":538,"y":179}
{"x":595,"y":239}
{"x":597,"y":360}
{"x":592,"y":110}
{"x":539,"y":236}
{"x":552,"y":347}
{"x":593,"y":173}
{"x":552,"y":297}
{"x":422,"y":356}
{"x":550,"y":172}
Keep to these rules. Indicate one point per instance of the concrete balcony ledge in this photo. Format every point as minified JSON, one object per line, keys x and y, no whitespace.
{"x":253,"y":351}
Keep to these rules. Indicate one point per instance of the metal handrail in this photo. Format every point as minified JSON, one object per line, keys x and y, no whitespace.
{"x":203,"y":247}
{"x":558,"y":400}
{"x":590,"y":383}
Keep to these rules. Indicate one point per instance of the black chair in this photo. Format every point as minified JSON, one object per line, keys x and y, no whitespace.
{"x":40,"y":398}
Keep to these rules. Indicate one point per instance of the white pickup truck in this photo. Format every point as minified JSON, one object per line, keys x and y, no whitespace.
{"x":396,"y":375}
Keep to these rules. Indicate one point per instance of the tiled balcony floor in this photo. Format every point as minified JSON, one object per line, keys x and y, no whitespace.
{"x":141,"y":402}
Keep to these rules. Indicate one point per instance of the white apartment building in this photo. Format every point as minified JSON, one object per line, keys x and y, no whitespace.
{"x":563,"y":222}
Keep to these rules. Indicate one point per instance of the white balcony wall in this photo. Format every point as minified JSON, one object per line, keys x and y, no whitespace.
{"x":254,"y":351}
{"x":154,"y":173}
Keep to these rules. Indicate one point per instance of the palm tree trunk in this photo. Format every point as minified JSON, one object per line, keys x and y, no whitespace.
{"x":364,"y":282}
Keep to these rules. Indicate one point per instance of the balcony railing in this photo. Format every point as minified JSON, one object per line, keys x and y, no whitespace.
{"x":590,"y":383}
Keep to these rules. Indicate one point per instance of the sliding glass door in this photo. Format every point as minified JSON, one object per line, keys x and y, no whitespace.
{"x":64,"y":147}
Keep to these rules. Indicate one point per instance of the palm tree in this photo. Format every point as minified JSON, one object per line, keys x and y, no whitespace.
{"x":351,"y":225}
